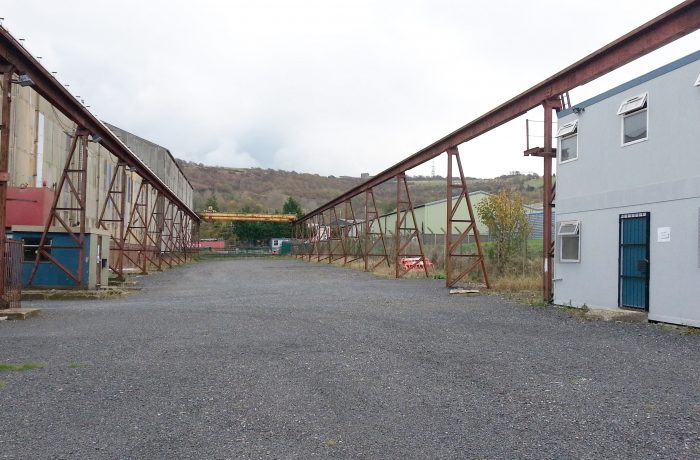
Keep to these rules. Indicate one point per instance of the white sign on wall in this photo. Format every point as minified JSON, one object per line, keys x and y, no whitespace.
{"x":663,"y":234}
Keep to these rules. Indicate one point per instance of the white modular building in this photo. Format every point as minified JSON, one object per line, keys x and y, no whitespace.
{"x":628,"y":197}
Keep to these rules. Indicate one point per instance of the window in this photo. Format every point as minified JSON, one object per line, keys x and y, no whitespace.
{"x":634,"y":119}
{"x":31,"y":245}
{"x":633,"y":104}
{"x":567,"y":128}
{"x":569,"y":239}
{"x":568,"y":141}
{"x":569,"y":148}
{"x":697,"y":82}
{"x":634,"y":127}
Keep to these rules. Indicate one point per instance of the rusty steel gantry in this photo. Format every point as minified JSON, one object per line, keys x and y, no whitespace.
{"x":159,"y":230}
{"x":214,"y":216}
{"x":551,"y":94}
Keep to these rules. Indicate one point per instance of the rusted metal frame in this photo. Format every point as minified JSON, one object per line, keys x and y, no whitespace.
{"x":187,"y":237}
{"x":354,"y":229}
{"x":316,"y":231}
{"x":138,"y":221}
{"x":548,"y":154}
{"x":339,"y":230}
{"x":667,"y":27}
{"x":171,"y":217}
{"x":401,"y":215}
{"x":370,"y":242}
{"x":120,"y":209}
{"x":179,"y":237}
{"x":451,"y":247}
{"x":195,"y":237}
{"x":79,"y":143}
{"x":324,"y":239}
{"x":167,"y":235}
{"x":46,"y":85}
{"x":5,"y":123}
{"x":155,"y":229}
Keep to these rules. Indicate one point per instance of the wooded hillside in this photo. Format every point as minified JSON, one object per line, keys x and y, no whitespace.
{"x":266,"y":190}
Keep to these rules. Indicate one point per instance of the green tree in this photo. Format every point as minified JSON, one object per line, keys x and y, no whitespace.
{"x":509,"y":228}
{"x":292,"y":206}
{"x":211,"y":203}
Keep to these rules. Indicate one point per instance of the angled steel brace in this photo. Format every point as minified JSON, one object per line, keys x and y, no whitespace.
{"x":337,"y":237}
{"x":372,"y":238}
{"x":406,"y":231}
{"x":73,"y":186}
{"x":352,"y":235}
{"x":116,"y":202}
{"x":453,"y":251}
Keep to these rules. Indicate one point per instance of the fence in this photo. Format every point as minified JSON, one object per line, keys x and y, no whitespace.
{"x":11,"y":283}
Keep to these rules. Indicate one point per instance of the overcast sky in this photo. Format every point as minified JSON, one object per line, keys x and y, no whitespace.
{"x":325,"y":87}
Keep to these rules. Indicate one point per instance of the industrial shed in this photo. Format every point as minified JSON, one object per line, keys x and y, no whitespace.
{"x":628,"y":197}
{"x":89,"y":201}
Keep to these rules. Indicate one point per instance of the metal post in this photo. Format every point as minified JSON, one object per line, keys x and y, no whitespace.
{"x":74,"y":176}
{"x":7,"y":72}
{"x":371,"y":239}
{"x":120,"y":209}
{"x":548,"y":200}
{"x":452,"y":248}
{"x":412,"y":230}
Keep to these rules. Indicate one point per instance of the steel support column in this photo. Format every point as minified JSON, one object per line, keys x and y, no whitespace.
{"x":548,"y":200}
{"x":337,"y":237}
{"x":74,"y":178}
{"x":7,"y":72}
{"x":371,"y":239}
{"x":117,"y":206}
{"x":352,"y":234}
{"x":404,"y":206}
{"x":452,"y":249}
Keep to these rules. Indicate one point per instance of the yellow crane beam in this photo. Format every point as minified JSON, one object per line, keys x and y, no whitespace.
{"x":245,"y":217}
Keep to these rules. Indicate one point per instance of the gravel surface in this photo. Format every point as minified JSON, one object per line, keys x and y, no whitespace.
{"x":283,"y":359}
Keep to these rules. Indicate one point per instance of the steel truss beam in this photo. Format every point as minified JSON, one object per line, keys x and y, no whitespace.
{"x":453,"y":251}
{"x":115,"y":202}
{"x":337,"y":237}
{"x":406,"y":231}
{"x":137,"y":230}
{"x":372,"y":238}
{"x":73,"y":187}
{"x":352,"y":235}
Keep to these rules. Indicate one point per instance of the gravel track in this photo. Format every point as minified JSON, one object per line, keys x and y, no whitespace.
{"x":283,"y":359}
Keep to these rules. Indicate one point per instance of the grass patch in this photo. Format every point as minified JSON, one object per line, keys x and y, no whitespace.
{"x":581,"y":313}
{"x":8,"y":367}
{"x":3,"y":384}
{"x":75,"y":365}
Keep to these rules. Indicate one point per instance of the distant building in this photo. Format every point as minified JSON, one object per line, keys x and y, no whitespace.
{"x":628,"y":197}
{"x":431,"y":219}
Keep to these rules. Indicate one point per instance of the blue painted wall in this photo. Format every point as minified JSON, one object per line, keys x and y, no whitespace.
{"x":49,"y":275}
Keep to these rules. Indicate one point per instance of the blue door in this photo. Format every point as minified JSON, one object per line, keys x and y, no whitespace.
{"x":634,"y":261}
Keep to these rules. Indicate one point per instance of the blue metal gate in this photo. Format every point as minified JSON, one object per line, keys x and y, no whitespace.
{"x":634,"y":261}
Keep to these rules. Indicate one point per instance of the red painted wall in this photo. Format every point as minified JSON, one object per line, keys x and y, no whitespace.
{"x":28,"y":206}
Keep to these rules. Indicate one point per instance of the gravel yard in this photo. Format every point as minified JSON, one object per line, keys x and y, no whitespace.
{"x":284,"y":359}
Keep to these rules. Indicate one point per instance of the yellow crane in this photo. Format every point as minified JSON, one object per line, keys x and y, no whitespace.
{"x":212,"y":216}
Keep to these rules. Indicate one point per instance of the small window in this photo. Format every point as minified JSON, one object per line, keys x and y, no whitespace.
{"x":569,"y":239}
{"x":634,"y":127}
{"x":632,"y":104}
{"x":567,"y":128}
{"x":568,"y":147}
{"x":31,"y":245}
